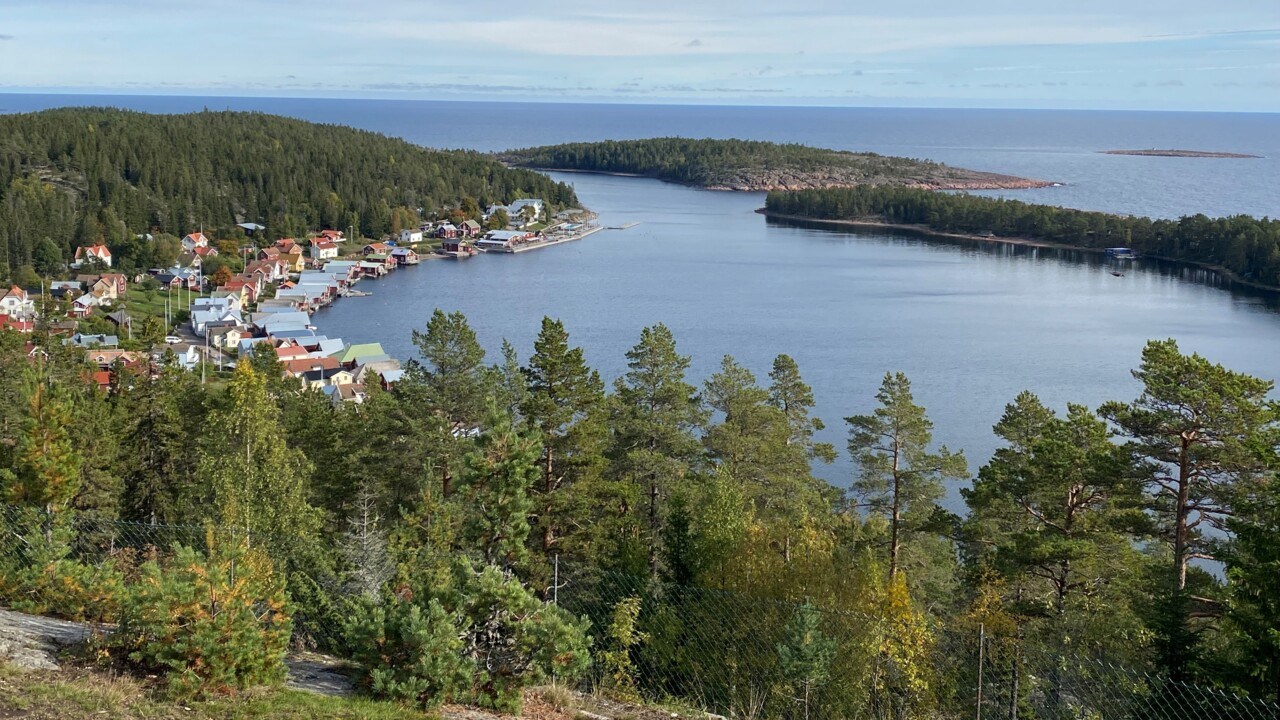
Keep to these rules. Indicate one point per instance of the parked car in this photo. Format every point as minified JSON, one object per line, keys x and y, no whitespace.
{"x":172,"y":339}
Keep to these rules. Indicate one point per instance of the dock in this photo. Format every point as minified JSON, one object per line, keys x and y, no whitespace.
{"x":548,"y":243}
{"x":626,"y":226}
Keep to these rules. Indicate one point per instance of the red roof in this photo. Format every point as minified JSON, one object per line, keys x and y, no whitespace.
{"x":102,"y":378}
{"x":22,"y":326}
{"x":324,"y":244}
{"x":300,"y":365}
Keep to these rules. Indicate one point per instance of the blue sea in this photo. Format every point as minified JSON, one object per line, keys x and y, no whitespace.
{"x":971,"y":324}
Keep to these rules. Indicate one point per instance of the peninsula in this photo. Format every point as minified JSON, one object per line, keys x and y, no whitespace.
{"x":1241,"y":248}
{"x":747,"y":165}
{"x":1179,"y":153}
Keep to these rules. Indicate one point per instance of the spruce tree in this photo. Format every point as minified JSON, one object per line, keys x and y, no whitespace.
{"x":47,"y":470}
{"x":805,"y":653}
{"x":899,"y":478}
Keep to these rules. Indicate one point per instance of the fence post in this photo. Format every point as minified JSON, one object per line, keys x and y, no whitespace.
{"x":982,"y":645}
{"x":555,"y":582}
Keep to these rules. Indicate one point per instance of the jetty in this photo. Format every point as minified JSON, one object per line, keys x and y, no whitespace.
{"x":549,"y":241}
{"x":626,"y":226}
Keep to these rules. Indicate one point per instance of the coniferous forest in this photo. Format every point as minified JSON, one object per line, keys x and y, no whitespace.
{"x":1246,"y":246}
{"x":82,"y":176}
{"x":677,"y":526}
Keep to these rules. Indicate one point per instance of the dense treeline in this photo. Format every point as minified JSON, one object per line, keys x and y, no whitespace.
{"x":1081,"y":539}
{"x":733,"y":163}
{"x":73,"y":177}
{"x":1248,"y":247}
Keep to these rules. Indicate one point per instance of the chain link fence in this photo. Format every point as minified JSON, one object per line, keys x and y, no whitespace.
{"x":691,"y":648}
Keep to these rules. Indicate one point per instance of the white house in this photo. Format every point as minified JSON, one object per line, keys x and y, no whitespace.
{"x":410,"y":236}
{"x":16,"y":302}
{"x":92,"y":252}
{"x":516,"y":209}
{"x":323,"y":249}
{"x":194,"y":240}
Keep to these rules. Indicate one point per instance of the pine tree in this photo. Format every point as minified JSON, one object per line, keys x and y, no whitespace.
{"x":1056,"y":513}
{"x":565,"y":404}
{"x":899,"y":478}
{"x":451,"y":382}
{"x":654,"y":415}
{"x":495,"y":492}
{"x":364,"y":547}
{"x":47,"y":472}
{"x":753,"y":447}
{"x":1201,"y":430}
{"x":789,"y":393}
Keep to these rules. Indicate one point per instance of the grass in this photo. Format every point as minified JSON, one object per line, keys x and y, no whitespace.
{"x":84,"y":695}
{"x":141,"y":303}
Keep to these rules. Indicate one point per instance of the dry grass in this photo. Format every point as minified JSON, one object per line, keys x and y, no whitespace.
{"x":85,"y":695}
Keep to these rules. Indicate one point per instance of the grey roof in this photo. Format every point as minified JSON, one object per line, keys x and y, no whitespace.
{"x":391,"y":376}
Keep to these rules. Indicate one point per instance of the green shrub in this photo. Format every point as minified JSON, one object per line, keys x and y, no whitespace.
{"x":38,"y":577}
{"x":409,"y":652}
{"x":516,"y":640}
{"x":212,"y":623}
{"x":482,"y":641}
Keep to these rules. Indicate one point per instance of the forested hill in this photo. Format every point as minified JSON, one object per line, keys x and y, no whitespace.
{"x":84,"y":175}
{"x":1246,"y":246}
{"x":754,"y":165}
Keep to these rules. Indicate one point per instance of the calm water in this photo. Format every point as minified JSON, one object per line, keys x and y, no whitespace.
{"x":972,"y":326}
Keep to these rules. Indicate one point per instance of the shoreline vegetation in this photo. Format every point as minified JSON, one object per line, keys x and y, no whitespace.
{"x":1181,"y":154}
{"x":73,"y":177}
{"x":1241,"y":249}
{"x":755,"y":166}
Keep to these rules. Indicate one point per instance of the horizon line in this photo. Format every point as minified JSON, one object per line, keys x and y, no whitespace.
{"x":822,"y":103}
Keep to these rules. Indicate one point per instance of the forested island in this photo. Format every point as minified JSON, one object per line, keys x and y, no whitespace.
{"x":1244,"y":248}
{"x":1179,"y":153}
{"x":751,"y":165}
{"x":85,"y":176}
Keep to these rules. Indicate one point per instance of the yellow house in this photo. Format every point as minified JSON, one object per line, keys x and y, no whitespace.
{"x":295,"y":260}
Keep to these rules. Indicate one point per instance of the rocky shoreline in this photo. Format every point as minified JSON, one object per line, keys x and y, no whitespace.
{"x":1180,"y":153}
{"x":780,"y":181}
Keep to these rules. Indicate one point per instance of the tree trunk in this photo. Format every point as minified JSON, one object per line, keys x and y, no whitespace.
{"x":1180,"y":531}
{"x":548,"y":486}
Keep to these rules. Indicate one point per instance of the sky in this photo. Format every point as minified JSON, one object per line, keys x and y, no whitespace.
{"x":1221,"y":55}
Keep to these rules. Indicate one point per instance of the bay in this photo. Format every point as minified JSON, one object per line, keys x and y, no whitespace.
{"x":971,"y":324}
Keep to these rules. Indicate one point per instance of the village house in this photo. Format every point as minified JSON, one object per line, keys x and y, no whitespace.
{"x":251,"y":229}
{"x":503,"y":239}
{"x":188,"y":259}
{"x":376,"y":248}
{"x":121,"y":320}
{"x":410,"y":236}
{"x":295,"y":261}
{"x":178,"y":277}
{"x":447,"y":230}
{"x":87,"y":253}
{"x":405,"y":256}
{"x":16,"y":302}
{"x":285,"y":245}
{"x":225,"y":337}
{"x":205,"y":252}
{"x":335,"y":236}
{"x":516,"y":211}
{"x":81,"y":340}
{"x":8,"y":322}
{"x":82,"y":306}
{"x":350,"y":355}
{"x":194,"y":240}
{"x":105,"y":358}
{"x":322,"y":249}
{"x":317,"y":379}
{"x":348,"y":392}
{"x":470,"y":228}
{"x":270,"y":253}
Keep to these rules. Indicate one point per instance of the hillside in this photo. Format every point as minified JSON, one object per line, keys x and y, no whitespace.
{"x":755,"y":166}
{"x":84,"y":175}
